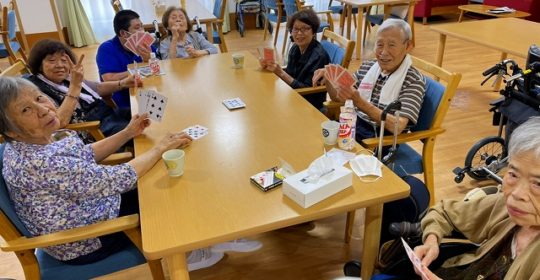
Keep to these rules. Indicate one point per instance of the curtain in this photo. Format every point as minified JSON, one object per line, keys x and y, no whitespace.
{"x":79,"y":30}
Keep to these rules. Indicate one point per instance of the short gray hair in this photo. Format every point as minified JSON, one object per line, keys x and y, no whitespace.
{"x":10,"y":87}
{"x":526,"y":139}
{"x":396,"y":23}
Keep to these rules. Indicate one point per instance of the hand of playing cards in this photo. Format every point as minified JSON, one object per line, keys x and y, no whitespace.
{"x":417,"y":263}
{"x":151,"y":102}
{"x":339,"y":76}
{"x":139,"y":38}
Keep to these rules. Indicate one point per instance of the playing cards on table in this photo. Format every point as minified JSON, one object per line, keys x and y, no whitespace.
{"x":234,"y":103}
{"x":151,"y":102}
{"x":340,"y":76}
{"x":196,"y":131}
{"x":139,"y":38}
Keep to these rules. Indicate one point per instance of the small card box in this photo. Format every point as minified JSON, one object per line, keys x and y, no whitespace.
{"x":267,"y":179}
{"x":307,"y":194}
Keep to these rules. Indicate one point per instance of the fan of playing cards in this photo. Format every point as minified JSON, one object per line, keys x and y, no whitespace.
{"x":153,"y":103}
{"x":340,"y":76}
{"x":137,"y":39}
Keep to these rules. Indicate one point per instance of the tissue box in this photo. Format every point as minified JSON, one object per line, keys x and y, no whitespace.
{"x":307,"y":194}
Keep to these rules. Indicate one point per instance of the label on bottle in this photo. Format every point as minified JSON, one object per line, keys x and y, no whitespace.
{"x":345,"y":134}
{"x":154,"y":66}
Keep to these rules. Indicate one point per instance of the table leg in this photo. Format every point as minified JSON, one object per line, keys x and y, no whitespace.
{"x":372,"y":236}
{"x":359,"y":29}
{"x":440,"y":51}
{"x":461,"y":15}
{"x":210,"y":32}
{"x":497,"y":83}
{"x":177,"y":266}
{"x":349,"y":16}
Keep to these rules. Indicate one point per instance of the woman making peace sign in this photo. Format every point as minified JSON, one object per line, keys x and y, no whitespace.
{"x":57,"y":73}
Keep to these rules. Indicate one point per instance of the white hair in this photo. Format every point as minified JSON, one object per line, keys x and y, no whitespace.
{"x":396,"y":23}
{"x":526,"y":139}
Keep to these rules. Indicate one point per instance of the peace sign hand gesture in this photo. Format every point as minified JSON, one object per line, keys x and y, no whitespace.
{"x":76,"y":71}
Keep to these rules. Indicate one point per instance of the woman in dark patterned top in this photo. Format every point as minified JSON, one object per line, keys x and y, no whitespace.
{"x":305,"y":56}
{"x":55,"y":73}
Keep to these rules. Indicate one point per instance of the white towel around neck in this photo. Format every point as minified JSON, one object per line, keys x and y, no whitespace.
{"x":392,"y":87}
{"x":89,"y":98}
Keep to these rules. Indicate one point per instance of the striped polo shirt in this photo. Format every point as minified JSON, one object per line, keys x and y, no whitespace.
{"x":411,"y":95}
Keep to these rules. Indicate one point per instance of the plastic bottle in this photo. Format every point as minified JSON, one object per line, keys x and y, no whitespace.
{"x":154,"y":64}
{"x":347,"y":126}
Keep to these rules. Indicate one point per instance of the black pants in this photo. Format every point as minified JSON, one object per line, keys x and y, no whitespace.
{"x":114,"y":242}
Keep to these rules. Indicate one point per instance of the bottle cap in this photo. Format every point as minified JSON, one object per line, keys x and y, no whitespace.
{"x":152,"y":55}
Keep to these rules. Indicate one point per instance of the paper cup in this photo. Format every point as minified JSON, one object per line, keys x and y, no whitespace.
{"x":238,"y":60}
{"x":174,"y":161}
{"x":330,"y":131}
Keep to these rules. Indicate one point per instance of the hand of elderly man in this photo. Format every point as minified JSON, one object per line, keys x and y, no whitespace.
{"x":429,"y":251}
{"x":174,"y":140}
{"x":345,"y":93}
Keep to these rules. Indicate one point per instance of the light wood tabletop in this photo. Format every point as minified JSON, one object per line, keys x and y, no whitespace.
{"x":507,"y":35}
{"x":484,"y":10}
{"x":148,"y":13}
{"x":361,"y":4}
{"x":214,"y":200}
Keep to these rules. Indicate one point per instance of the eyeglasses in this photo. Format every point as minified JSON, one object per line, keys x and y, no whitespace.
{"x":304,"y":30}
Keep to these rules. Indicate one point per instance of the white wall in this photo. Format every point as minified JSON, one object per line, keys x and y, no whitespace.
{"x":36,"y":16}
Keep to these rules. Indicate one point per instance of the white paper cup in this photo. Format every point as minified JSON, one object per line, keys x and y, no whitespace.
{"x":238,"y":60}
{"x":174,"y":160}
{"x":330,"y":131}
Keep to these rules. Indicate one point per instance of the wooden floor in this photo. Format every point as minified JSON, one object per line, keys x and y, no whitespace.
{"x":317,"y":250}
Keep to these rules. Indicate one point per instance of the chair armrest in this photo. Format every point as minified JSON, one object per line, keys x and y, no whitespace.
{"x":310,"y":90}
{"x":83,"y":125}
{"x":117,"y":158}
{"x":75,"y":234}
{"x":403,"y":138}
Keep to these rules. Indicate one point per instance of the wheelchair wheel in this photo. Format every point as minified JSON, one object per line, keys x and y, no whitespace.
{"x":484,"y":153}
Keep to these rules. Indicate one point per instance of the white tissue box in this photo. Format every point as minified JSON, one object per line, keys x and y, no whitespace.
{"x":307,"y":194}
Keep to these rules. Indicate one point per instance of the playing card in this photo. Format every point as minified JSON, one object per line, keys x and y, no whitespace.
{"x":196,"y":131}
{"x":346,"y":79}
{"x":268,"y":54}
{"x":141,"y":101}
{"x":156,"y":105}
{"x":130,"y":46}
{"x":414,"y":259}
{"x":234,"y":103}
{"x":146,"y":40}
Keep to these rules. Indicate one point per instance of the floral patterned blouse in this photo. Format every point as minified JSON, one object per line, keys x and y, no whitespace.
{"x":60,"y":186}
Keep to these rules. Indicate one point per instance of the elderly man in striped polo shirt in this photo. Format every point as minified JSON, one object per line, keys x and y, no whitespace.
{"x":391,"y":76}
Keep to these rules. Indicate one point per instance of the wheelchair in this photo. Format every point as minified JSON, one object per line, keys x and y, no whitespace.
{"x":520,"y":100}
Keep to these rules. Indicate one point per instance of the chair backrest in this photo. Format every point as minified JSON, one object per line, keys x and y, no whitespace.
{"x":437,"y":98}
{"x":117,"y":6}
{"x":10,"y":224}
{"x":270,"y":4}
{"x":219,"y":8}
{"x":339,"y":48}
{"x":9,"y":38}
{"x":290,"y":7}
{"x":17,"y":69}
{"x":11,"y":25}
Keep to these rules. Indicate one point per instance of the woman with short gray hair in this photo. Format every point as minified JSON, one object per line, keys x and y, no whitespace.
{"x":54,"y":179}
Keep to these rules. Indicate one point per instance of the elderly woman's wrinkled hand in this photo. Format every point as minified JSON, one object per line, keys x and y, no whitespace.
{"x":319,"y":77}
{"x":76,"y":71}
{"x":137,"y":125}
{"x":174,"y":140}
{"x":428,"y":251}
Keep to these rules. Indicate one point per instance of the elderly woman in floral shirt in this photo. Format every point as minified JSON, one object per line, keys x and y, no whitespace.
{"x":54,"y":179}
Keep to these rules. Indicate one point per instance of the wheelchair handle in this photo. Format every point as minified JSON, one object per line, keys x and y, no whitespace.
{"x":395,"y":105}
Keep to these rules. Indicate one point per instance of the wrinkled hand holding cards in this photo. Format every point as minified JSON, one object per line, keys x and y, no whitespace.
{"x":414,"y":259}
{"x":153,"y":103}
{"x":340,"y":76}
{"x":196,"y":131}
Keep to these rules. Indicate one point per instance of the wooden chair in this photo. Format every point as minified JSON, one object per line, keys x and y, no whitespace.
{"x":17,"y":68}
{"x":377,"y":19}
{"x":10,"y":46}
{"x":217,"y":26}
{"x":37,"y":264}
{"x":293,"y":6}
{"x":117,"y":6}
{"x":273,"y":13}
{"x":434,"y":108}
{"x":340,"y":50}
{"x":340,"y":9}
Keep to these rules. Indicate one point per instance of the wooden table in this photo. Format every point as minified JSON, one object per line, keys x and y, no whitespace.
{"x":484,"y":10}
{"x":508,"y":35}
{"x":214,"y":200}
{"x":148,"y":13}
{"x":361,"y":4}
